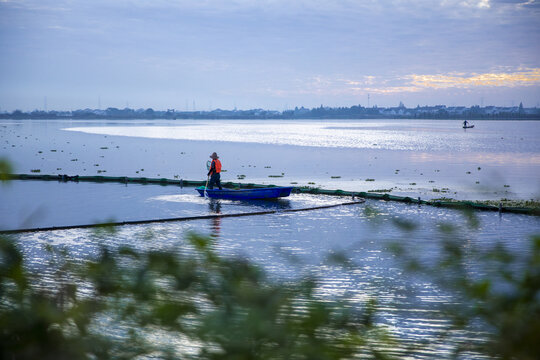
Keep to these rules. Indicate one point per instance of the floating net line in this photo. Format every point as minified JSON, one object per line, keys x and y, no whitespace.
{"x":176,"y":219}
{"x":463,"y":205}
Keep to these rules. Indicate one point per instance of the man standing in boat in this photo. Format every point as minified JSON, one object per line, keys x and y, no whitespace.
{"x":214,"y":172}
{"x":465,"y":123}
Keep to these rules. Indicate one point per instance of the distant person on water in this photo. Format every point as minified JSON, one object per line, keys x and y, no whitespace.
{"x":465,"y":123}
{"x":214,"y":172}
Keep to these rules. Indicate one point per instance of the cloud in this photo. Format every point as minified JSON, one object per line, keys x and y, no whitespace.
{"x":528,"y":77}
{"x":413,"y":83}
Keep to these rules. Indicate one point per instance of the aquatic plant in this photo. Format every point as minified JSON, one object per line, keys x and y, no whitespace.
{"x":5,"y":169}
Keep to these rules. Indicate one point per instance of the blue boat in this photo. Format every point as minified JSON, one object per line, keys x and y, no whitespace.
{"x":246,"y":194}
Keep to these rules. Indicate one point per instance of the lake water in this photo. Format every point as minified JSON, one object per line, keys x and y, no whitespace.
{"x":495,"y":154}
{"x":431,"y":159}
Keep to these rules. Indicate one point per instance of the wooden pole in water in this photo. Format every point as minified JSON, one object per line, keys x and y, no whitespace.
{"x":206,"y":185}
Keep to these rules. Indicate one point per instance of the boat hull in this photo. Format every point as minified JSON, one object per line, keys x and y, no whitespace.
{"x":246,"y":194}
{"x":468,"y":127}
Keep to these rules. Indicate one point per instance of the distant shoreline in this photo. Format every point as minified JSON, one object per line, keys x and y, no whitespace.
{"x":531,"y":118}
{"x":439,"y":112}
{"x":180,"y":118}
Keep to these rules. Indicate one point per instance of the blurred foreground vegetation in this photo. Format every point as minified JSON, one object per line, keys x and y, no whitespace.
{"x":126,"y":303}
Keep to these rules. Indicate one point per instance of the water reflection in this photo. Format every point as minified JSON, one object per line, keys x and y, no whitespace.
{"x":477,"y":158}
{"x":214,"y":207}
{"x":442,"y":135}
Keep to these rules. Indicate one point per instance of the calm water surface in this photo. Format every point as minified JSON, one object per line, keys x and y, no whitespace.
{"x":431,"y":159}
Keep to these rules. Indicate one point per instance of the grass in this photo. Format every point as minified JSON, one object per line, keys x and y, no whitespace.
{"x":380,"y":191}
{"x":370,"y":179}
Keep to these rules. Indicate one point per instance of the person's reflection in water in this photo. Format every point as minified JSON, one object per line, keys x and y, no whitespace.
{"x":215,"y":208}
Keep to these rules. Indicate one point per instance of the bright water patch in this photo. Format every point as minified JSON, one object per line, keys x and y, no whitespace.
{"x":442,"y":135}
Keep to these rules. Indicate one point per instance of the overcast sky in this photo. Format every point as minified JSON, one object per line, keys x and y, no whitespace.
{"x":274,"y":54}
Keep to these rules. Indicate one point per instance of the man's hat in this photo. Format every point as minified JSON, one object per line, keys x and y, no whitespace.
{"x":214,"y":156}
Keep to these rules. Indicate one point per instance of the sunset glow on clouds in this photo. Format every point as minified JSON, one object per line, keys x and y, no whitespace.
{"x":528,"y":77}
{"x":417,"y":82}
{"x":420,"y":82}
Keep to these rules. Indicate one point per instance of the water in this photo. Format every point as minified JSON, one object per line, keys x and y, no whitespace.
{"x":430,"y":154}
{"x":431,"y":159}
{"x":33,"y":204}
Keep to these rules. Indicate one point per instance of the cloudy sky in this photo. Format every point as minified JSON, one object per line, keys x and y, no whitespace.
{"x":275,"y":54}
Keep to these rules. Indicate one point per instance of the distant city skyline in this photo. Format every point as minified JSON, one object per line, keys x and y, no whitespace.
{"x":245,"y":54}
{"x":438,"y":112}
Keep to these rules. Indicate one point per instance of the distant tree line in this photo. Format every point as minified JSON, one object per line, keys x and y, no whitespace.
{"x":321,"y":112}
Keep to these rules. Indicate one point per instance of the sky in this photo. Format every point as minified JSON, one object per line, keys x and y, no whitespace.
{"x":271,"y":54}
